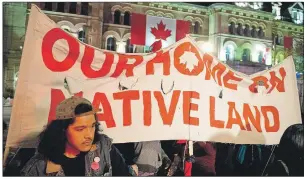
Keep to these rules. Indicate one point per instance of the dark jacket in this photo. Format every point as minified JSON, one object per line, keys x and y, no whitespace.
{"x":281,"y":168}
{"x":205,"y":157}
{"x":111,"y":162}
{"x":148,"y":156}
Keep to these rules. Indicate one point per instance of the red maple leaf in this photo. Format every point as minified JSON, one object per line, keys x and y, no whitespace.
{"x":160,"y":32}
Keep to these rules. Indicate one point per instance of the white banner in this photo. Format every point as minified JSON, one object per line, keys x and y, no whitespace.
{"x":177,"y":93}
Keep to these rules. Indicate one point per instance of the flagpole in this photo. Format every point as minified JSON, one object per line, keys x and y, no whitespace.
{"x":191,"y":149}
{"x":189,"y":160}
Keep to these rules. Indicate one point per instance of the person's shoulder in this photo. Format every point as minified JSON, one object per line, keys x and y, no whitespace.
{"x":278,"y":168}
{"x":34,"y":165}
{"x":105,"y":141}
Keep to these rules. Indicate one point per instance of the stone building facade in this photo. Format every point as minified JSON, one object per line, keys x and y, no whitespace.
{"x":246,"y":39}
{"x":13,"y":37}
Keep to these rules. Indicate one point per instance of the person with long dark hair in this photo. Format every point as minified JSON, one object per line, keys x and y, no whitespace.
{"x":72,"y":145}
{"x":290,"y":153}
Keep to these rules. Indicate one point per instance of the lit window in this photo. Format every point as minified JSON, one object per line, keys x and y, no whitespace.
{"x":48,"y":6}
{"x":126,"y":18}
{"x":84,"y":8}
{"x":279,"y":40}
{"x":247,"y":30}
{"x":246,"y":56}
{"x":301,"y":15}
{"x":67,"y":30}
{"x":81,"y":35}
{"x":294,"y":14}
{"x":240,"y":29}
{"x":230,"y":54}
{"x":191,"y":27}
{"x":196,"y":28}
{"x":60,"y":7}
{"x":232,"y":28}
{"x":111,"y":45}
{"x":117,"y":17}
{"x":260,"y":56}
{"x":297,"y":17}
{"x":72,"y":8}
{"x":253,"y":32}
{"x":261,"y":32}
{"x":129,"y":47}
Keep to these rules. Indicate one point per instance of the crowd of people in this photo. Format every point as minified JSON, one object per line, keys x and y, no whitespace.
{"x":74,"y":145}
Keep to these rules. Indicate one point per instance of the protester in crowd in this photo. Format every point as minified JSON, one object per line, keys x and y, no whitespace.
{"x":182,"y":161}
{"x":71,"y":145}
{"x":201,"y":163}
{"x":205,"y":157}
{"x":224,"y":159}
{"x":148,"y":157}
{"x":128,"y":152}
{"x":175,"y":150}
{"x":290,"y":153}
{"x":248,"y":160}
{"x":16,"y":160}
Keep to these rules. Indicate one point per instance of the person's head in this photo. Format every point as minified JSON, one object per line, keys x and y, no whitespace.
{"x":76,"y":127}
{"x":291,"y":145}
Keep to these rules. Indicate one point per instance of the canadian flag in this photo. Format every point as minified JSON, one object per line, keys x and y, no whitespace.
{"x":146,"y":30}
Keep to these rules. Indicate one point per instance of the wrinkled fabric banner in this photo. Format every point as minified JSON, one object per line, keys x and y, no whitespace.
{"x":176,"y":93}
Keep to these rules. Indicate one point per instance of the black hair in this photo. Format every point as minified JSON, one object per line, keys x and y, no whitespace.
{"x":291,"y":147}
{"x":52,"y":141}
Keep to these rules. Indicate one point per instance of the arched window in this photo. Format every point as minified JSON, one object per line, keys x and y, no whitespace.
{"x":230,"y":53}
{"x":48,"y":6}
{"x":240,"y":29}
{"x":81,"y":35}
{"x":65,"y":28}
{"x":279,"y":39}
{"x":129,"y":47}
{"x":117,"y":17}
{"x":127,"y":18}
{"x":72,"y":8}
{"x":111,"y":45}
{"x":196,"y":28}
{"x":84,"y":8}
{"x":247,"y":30}
{"x":246,"y":56}
{"x":253,"y":32}
{"x":260,"y":32}
{"x":232,"y":28}
{"x":260,"y":56}
{"x":191,"y":27}
{"x":60,"y":7}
